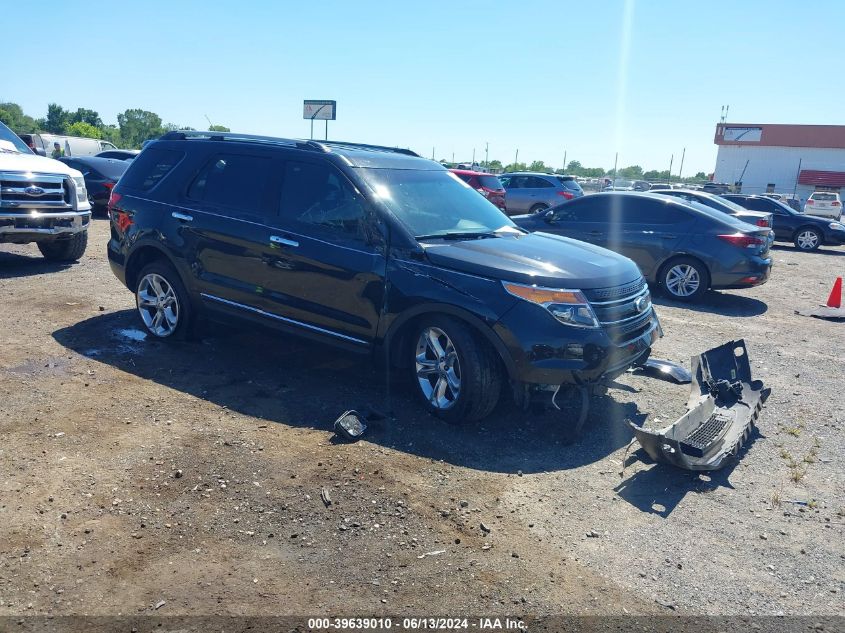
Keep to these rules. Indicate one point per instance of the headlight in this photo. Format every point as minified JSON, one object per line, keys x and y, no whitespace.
{"x":836,"y":226}
{"x":570,"y":307}
{"x":81,"y":193}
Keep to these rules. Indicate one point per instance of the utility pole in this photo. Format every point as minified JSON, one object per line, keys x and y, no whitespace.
{"x":453,"y":159}
{"x":473,"y":156}
{"x":681,"y":170}
{"x":797,"y":176}
{"x":486,"y":155}
{"x":671,"y":160}
{"x":615,"y":163}
{"x":432,"y":153}
{"x":564,"y":161}
{"x":516,"y":159}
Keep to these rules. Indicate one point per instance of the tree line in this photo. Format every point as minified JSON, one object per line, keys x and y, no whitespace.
{"x":134,"y":126}
{"x":575,"y":168}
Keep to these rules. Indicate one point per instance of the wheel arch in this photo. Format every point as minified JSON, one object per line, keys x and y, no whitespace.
{"x":809,"y":226}
{"x":144,"y":254}
{"x":400,"y":330}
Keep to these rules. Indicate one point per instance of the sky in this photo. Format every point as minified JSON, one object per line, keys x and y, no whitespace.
{"x":583,"y":80}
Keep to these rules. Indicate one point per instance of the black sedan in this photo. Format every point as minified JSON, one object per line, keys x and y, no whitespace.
{"x":807,"y":232}
{"x":684,"y":247}
{"x":101,"y":175}
{"x":119,"y":154}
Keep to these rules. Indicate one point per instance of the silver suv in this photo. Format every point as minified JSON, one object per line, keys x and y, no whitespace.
{"x":532,"y":192}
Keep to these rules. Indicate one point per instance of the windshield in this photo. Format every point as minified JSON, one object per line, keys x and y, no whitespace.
{"x":7,"y":135}
{"x":823,"y":197}
{"x":434,"y":202}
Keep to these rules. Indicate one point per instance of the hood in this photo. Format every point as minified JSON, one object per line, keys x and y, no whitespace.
{"x":13,"y":161}
{"x":536,"y":258}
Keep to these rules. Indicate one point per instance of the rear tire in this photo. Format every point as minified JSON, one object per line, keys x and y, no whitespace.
{"x":538,"y":208}
{"x":164,"y":306}
{"x":456,"y":373}
{"x":807,"y":239}
{"x":65,"y":250}
{"x":684,"y":279}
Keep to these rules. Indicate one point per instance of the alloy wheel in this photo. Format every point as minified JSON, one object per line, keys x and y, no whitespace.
{"x":807,"y":240}
{"x":682,"y":280}
{"x":438,"y":369}
{"x":158,"y":305}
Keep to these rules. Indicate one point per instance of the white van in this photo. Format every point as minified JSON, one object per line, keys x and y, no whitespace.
{"x":71,"y":145}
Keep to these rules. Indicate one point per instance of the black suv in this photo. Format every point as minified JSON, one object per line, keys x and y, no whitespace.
{"x":379,"y":251}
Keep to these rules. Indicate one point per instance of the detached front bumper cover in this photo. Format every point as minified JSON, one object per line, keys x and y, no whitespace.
{"x":724,"y":404}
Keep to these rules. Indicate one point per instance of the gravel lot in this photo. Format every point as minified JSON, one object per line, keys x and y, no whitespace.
{"x":134,"y":473}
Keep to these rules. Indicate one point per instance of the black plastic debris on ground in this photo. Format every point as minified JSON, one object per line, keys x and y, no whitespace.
{"x":723,"y":407}
{"x":664,"y":370}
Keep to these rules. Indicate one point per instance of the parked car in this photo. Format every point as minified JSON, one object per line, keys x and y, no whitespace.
{"x":824,"y":204}
{"x":619,"y":185}
{"x":119,"y":154}
{"x":42,"y":144}
{"x":684,"y":247}
{"x":720,"y":204}
{"x":807,"y":232}
{"x":640,"y":185}
{"x":41,"y":201}
{"x":716,"y":187}
{"x":101,"y":175}
{"x":530,"y":192}
{"x":487,"y":185}
{"x":376,"y":250}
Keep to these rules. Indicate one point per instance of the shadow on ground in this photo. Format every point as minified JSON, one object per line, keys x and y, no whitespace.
{"x":303,"y":384}
{"x":18,"y":265}
{"x":659,"y":489}
{"x":724,"y":303}
{"x":823,"y":250}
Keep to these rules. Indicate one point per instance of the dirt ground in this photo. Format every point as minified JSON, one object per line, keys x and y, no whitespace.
{"x":139,"y":477}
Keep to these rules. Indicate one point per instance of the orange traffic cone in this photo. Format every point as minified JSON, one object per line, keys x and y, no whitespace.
{"x":835,"y":298}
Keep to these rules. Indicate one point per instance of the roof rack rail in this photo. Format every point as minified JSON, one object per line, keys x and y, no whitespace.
{"x":317,"y":146}
{"x":181,"y":135}
{"x":326,"y":145}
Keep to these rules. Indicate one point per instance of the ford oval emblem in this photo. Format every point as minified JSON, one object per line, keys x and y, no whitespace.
{"x":34,"y":192}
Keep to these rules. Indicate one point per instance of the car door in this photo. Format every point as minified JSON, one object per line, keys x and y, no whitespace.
{"x":540,"y":191}
{"x":584,"y":219}
{"x":328,"y":265}
{"x":649,"y":231}
{"x":223,"y":224}
{"x":516,"y":195}
{"x":782,"y":221}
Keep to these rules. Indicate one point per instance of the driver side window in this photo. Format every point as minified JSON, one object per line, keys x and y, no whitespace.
{"x":315,"y":194}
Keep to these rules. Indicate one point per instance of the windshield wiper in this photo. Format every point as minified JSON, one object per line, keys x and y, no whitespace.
{"x":457,"y":235}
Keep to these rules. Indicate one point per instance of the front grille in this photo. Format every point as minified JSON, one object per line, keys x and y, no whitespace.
{"x":624,"y":311}
{"x":22,"y":191}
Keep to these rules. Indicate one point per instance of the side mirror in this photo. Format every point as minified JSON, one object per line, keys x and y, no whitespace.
{"x":549,"y":216}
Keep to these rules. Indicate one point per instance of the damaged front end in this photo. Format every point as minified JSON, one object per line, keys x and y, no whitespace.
{"x":724,"y":404}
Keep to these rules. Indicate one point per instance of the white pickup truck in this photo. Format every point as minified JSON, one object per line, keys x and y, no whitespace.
{"x":41,"y":200}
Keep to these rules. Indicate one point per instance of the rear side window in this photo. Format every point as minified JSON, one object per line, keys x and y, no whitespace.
{"x":534,"y":182}
{"x":823,"y":197}
{"x":150,"y":167}
{"x":569,"y":183}
{"x":235,"y":181}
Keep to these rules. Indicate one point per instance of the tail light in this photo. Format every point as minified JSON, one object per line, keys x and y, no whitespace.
{"x":763,"y":222}
{"x":835,"y":204}
{"x":483,"y":192}
{"x":566,"y":194}
{"x":109,"y":185}
{"x":114,"y":198}
{"x":741,"y":240}
{"x":810,"y":201}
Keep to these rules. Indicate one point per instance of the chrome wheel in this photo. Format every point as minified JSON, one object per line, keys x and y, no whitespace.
{"x":807,"y":240}
{"x":438,"y":369}
{"x":682,"y":280}
{"x":158,"y":305}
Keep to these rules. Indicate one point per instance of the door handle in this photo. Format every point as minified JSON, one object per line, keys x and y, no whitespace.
{"x":182,"y":216}
{"x":283,"y":241}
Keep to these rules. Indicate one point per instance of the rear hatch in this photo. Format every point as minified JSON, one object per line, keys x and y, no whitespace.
{"x":826,"y":203}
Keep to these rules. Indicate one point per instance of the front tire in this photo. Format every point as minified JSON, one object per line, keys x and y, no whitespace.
{"x":65,"y":250}
{"x":807,"y":239}
{"x":685,"y":279}
{"x":163,"y":302}
{"x":456,"y":373}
